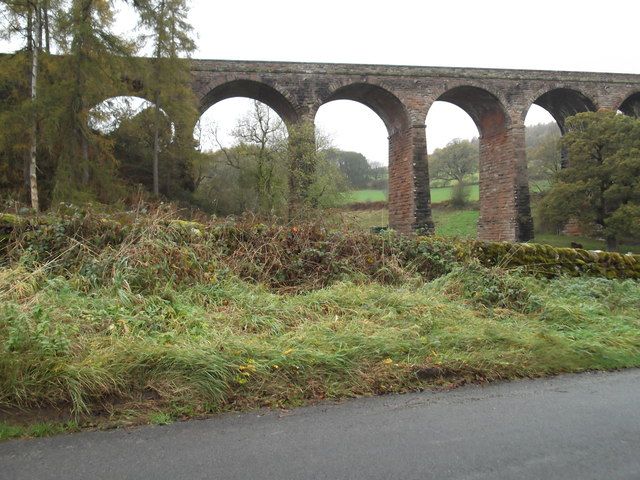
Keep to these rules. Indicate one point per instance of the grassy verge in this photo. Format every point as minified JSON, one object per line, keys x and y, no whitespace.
{"x":36,"y":430}
{"x":164,"y":320}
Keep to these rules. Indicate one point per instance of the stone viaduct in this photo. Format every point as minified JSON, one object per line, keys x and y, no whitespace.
{"x":497,"y":101}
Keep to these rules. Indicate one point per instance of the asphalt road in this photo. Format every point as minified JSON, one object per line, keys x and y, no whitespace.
{"x":569,"y":427}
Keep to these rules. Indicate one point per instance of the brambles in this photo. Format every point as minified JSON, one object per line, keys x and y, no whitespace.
{"x":172,"y":318}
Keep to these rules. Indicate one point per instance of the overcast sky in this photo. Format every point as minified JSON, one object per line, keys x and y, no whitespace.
{"x":540,"y":34}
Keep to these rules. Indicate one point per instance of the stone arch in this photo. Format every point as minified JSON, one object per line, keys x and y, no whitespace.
{"x":119,"y":101}
{"x":485,"y":108}
{"x":255,"y":90}
{"x":409,"y":207}
{"x":631,"y":105}
{"x":505,"y":212}
{"x":385,"y":104}
{"x":562,"y":102}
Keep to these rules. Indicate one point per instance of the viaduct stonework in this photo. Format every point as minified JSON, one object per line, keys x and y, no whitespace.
{"x":496,"y":100}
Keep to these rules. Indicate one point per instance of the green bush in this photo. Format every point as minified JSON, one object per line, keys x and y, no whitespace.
{"x":105,"y":312}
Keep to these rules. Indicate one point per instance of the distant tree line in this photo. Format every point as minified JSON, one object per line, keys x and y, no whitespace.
{"x":358,"y":171}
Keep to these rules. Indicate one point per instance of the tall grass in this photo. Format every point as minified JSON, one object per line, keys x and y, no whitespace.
{"x":96,"y":317}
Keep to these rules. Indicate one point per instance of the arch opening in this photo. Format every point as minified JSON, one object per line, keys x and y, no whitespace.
{"x":251,"y":89}
{"x":390,"y":110}
{"x":453,"y":155}
{"x":385,"y":104}
{"x":504,"y":212}
{"x":128,"y":123}
{"x":631,"y":105}
{"x":242,"y":165}
{"x":564,"y":102}
{"x":544,"y":156}
{"x":108,"y":115}
{"x":355,"y":140}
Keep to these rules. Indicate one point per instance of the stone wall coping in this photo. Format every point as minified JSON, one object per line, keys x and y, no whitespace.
{"x":306,"y":68}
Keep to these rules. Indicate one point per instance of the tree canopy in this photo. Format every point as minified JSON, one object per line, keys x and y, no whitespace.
{"x":54,"y":134}
{"x":455,"y":162}
{"x":600,"y":185}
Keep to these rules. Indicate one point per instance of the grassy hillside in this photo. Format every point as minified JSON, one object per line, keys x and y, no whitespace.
{"x":146,"y":318}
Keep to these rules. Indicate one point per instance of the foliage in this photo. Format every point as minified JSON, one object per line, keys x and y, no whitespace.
{"x":133,"y":144}
{"x":357,"y":170}
{"x":600,"y":186}
{"x":328,"y":186}
{"x":302,"y":159}
{"x":92,"y":67}
{"x":543,"y":155}
{"x":75,"y":161}
{"x":454,"y":163}
{"x":251,"y":176}
{"x":459,"y":196}
{"x":168,"y":80}
{"x":175,"y":315}
{"x":261,"y":172}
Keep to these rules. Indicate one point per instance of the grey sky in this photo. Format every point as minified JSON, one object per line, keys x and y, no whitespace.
{"x":542,"y":34}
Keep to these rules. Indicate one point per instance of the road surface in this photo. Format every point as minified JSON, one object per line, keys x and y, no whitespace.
{"x":569,"y":427}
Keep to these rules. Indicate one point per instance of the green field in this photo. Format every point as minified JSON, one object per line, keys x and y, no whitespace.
{"x":456,"y":223}
{"x":443,"y":194}
{"x":438,"y":195}
{"x":365,"y":196}
{"x":587,"y":243}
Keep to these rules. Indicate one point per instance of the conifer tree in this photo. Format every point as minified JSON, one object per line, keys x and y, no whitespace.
{"x":168,"y":31}
{"x":94,"y":58}
{"x":29,"y":19}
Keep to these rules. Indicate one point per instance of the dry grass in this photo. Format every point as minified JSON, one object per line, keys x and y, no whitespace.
{"x":167,"y":318}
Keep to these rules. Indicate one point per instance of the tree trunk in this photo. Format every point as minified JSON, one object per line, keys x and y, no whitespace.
{"x":86,"y":175}
{"x":156,"y":148}
{"x":39,"y":23}
{"x":33,"y":150}
{"x":156,"y":101}
{"x":47,"y":32}
{"x":612,"y":244}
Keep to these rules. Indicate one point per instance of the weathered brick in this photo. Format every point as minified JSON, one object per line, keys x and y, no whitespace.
{"x":497,"y":100}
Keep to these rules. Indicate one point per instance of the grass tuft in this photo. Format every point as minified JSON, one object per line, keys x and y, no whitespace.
{"x":175,"y":319}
